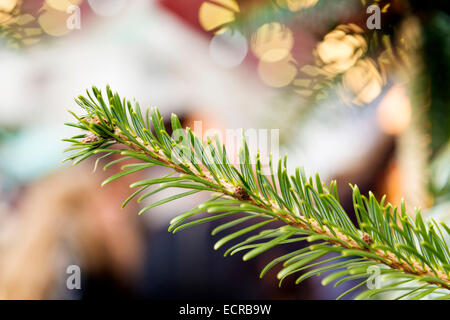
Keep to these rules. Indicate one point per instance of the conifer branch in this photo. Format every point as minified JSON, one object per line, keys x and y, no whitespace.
{"x":414,"y":255}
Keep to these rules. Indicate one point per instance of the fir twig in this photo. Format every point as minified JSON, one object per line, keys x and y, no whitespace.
{"x":405,"y":250}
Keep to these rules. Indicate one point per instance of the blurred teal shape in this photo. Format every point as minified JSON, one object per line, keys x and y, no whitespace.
{"x":30,"y":153}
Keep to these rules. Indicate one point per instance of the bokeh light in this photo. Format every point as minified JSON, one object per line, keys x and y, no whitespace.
{"x":26,"y":23}
{"x":272,"y":42}
{"x":107,"y":7}
{"x":212,"y":16}
{"x":341,"y":48}
{"x":53,"y":21}
{"x":394,"y":111}
{"x":296,"y":5}
{"x":363,"y":81}
{"x":278,"y":74}
{"x":228,"y":48}
{"x":62,"y":5}
{"x":8,"y":5}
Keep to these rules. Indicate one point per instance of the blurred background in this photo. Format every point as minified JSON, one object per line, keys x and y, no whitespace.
{"x":357,"y":95}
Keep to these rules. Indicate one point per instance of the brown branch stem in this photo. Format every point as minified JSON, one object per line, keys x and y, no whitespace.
{"x":387,"y":258}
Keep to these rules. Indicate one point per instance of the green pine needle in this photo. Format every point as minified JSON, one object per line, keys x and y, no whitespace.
{"x":412,"y":256}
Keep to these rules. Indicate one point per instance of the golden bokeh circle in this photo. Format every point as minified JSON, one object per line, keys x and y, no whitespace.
{"x":212,"y":16}
{"x":363,"y":81}
{"x":53,"y":21}
{"x":278,"y":74}
{"x":296,"y":5}
{"x":272,"y":42}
